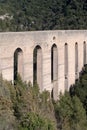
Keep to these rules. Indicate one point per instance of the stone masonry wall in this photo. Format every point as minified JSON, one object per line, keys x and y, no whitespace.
{"x":27,"y":41}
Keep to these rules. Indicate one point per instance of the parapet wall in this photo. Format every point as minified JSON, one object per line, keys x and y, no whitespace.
{"x":60,"y":59}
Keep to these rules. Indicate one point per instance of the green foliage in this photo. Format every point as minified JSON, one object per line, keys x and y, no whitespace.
{"x":7,"y":119}
{"x":70,"y":113}
{"x":25,"y":102}
{"x":33,"y":121}
{"x":43,"y":14}
{"x":80,"y":88}
{"x":23,"y":107}
{"x":20,"y":107}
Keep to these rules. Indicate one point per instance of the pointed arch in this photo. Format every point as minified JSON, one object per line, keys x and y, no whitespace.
{"x":37,"y":66}
{"x":18,"y":63}
{"x":54,"y":63}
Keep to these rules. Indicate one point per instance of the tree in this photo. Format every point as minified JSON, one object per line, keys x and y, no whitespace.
{"x":80,"y":88}
{"x":43,"y":14}
{"x":70,"y":113}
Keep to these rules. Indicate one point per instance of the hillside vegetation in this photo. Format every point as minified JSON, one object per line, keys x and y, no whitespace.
{"x":23,"y":15}
{"x":23,"y":107}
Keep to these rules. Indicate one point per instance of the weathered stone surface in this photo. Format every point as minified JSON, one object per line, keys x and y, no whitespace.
{"x":27,"y":41}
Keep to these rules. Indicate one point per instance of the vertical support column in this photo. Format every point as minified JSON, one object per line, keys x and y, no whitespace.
{"x":55,"y":64}
{"x":66,"y":66}
{"x":0,"y":68}
{"x":20,"y":64}
{"x":71,"y":64}
{"x":39,"y":68}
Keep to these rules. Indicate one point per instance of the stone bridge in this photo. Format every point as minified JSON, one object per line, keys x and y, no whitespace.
{"x":52,"y":58}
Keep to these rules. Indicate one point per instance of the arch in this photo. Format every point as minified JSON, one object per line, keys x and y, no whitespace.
{"x":66,"y":65}
{"x":18,"y":63}
{"x":54,"y":70}
{"x":54,"y":63}
{"x":84,"y":53}
{"x":76,"y":60}
{"x":37,"y":66}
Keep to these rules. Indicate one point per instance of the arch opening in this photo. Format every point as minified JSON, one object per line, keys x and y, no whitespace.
{"x":37,"y":66}
{"x":18,"y":63}
{"x":76,"y":60}
{"x":54,"y":63}
{"x":66,"y":65}
{"x":54,"y":70}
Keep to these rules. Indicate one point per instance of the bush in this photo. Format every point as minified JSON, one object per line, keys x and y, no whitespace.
{"x":70,"y":113}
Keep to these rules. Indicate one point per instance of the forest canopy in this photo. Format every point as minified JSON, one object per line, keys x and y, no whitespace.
{"x":28,"y":15}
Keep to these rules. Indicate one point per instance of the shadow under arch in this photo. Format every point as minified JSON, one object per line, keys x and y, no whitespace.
{"x":54,"y":70}
{"x":84,"y":53}
{"x":18,"y":63}
{"x":76,"y":61}
{"x":37,"y":66}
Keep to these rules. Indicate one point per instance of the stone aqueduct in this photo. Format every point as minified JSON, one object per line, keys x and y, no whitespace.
{"x":60,"y":56}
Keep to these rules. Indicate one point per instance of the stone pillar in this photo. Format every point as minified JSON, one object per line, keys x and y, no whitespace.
{"x":55,"y":73}
{"x":39,"y":68}
{"x":20,"y":64}
{"x":55,"y":90}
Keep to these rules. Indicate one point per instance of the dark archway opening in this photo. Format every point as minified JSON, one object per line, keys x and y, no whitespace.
{"x":18,"y":63}
{"x":66,"y":65}
{"x":76,"y":60}
{"x":54,"y":63}
{"x":37,"y":66}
